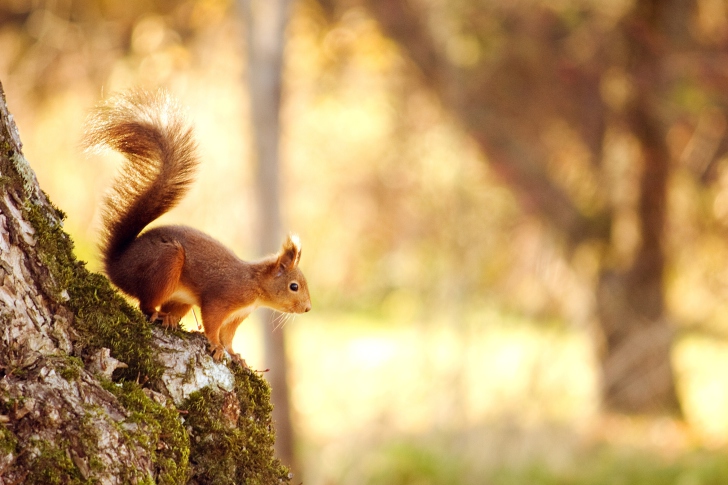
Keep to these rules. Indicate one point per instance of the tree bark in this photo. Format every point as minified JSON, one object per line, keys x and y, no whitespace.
{"x":92,"y":393}
{"x":265,"y":22}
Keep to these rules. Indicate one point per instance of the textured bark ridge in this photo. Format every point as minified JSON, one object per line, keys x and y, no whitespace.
{"x":92,"y":393}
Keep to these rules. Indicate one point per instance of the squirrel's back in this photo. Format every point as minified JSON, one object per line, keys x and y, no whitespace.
{"x":150,"y":131}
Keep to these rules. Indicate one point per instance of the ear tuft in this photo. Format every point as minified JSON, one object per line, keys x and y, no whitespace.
{"x":294,"y":241}
{"x":290,"y":253}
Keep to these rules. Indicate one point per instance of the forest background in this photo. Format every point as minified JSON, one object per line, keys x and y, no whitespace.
{"x":514,"y":218}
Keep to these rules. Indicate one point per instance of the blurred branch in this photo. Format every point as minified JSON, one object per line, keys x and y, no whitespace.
{"x":479,"y":104}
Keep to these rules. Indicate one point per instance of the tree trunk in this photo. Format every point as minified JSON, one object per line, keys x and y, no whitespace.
{"x":92,"y":393}
{"x":637,"y":370}
{"x":265,"y":22}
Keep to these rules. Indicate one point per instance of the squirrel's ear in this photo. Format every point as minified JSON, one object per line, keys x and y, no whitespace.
{"x":290,"y":254}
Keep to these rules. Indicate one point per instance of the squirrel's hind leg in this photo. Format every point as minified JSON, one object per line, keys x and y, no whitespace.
{"x":161,"y":279}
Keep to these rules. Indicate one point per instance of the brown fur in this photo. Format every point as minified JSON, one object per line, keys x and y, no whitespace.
{"x":170,"y":268}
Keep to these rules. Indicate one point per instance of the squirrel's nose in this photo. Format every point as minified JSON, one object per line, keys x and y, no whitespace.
{"x":308,"y":307}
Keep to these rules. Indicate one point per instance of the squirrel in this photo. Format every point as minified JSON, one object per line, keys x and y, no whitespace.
{"x":171,"y":268}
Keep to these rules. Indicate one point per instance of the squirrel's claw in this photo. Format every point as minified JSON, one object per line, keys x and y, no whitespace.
{"x":237,"y":358}
{"x":218,"y":352}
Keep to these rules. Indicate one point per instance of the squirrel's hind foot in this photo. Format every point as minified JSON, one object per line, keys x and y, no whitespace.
{"x":217,"y":351}
{"x":168,"y":320}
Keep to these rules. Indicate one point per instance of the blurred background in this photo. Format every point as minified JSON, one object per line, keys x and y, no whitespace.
{"x":514,"y":217}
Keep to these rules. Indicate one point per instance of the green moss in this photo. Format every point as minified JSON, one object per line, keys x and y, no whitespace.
{"x":105,"y":319}
{"x":26,"y":173}
{"x":239,"y":451}
{"x":53,"y":465}
{"x":88,"y":436}
{"x":95,"y":464}
{"x":9,"y":403}
{"x":158,"y":429}
{"x":102,"y":317}
{"x":189,"y":370}
{"x":8,"y":441}
{"x":71,"y":368}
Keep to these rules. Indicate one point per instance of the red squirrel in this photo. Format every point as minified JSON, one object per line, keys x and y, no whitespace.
{"x":171,"y":268}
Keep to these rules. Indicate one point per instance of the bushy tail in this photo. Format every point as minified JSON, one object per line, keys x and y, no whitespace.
{"x":150,"y":131}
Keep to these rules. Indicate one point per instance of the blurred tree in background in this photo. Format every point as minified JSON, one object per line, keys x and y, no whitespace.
{"x":549,"y":91}
{"x":265,"y":25}
{"x":530,"y":69}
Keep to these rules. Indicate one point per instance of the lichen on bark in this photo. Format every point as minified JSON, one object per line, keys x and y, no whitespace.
{"x":90,"y":392}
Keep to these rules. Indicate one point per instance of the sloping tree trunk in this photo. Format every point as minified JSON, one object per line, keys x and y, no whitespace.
{"x":92,"y":393}
{"x":265,"y":22}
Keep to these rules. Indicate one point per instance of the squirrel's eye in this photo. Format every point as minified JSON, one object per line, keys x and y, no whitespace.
{"x":293,"y":286}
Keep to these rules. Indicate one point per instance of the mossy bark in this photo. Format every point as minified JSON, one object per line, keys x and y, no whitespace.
{"x":92,"y":393}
